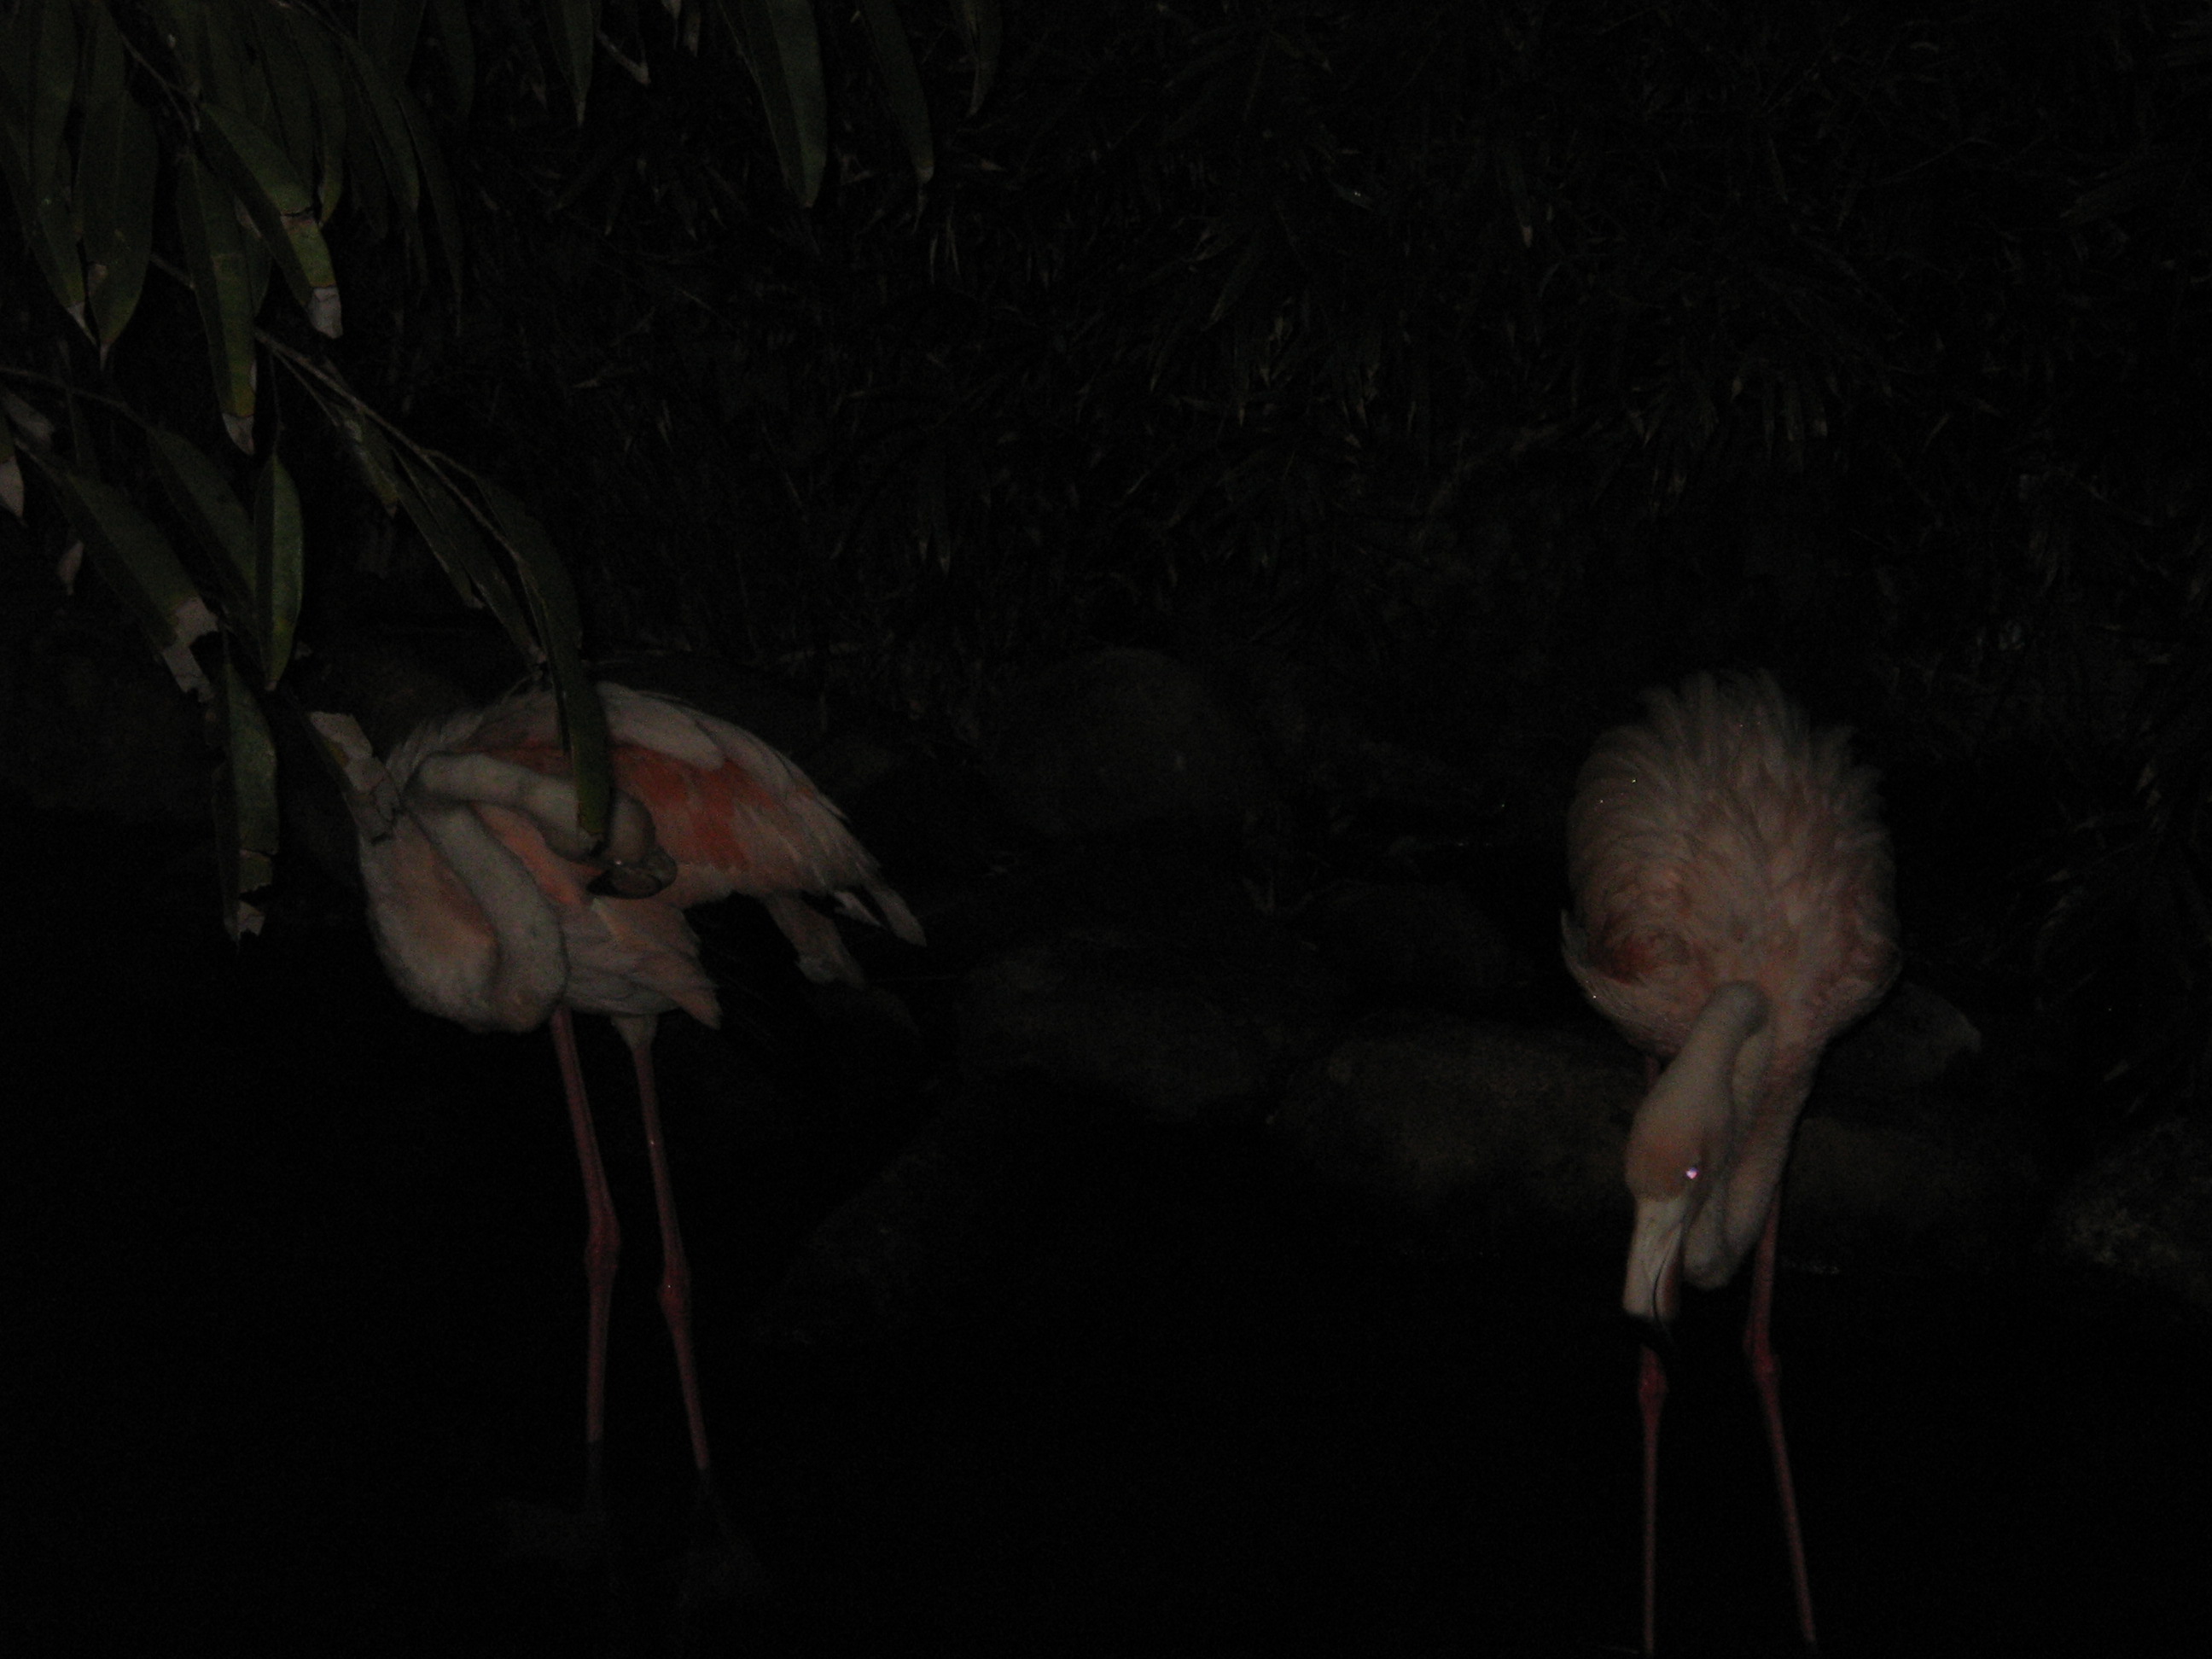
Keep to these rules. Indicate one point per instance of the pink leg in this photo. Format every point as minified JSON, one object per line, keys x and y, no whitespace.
{"x":1765,"y":1372}
{"x":1652,"y":1395}
{"x":675,"y":1268}
{"x":602,"y":1245}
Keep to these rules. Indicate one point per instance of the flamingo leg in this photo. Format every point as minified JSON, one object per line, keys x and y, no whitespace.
{"x":676,"y":1267}
{"x":602,"y":1248}
{"x":1766,"y":1373}
{"x":1651,"y":1395}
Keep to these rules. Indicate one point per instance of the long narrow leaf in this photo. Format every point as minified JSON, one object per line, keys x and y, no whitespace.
{"x":444,"y":213}
{"x":279,"y":560}
{"x":318,"y":51}
{"x":902,"y":85}
{"x":980,"y":27}
{"x":785,"y":55}
{"x":291,"y":89}
{"x":388,"y":29}
{"x":255,"y":166}
{"x":457,"y":47}
{"x":572,"y":26}
{"x":216,"y":262}
{"x":374,"y":108}
{"x":244,"y":800}
{"x":445,"y":524}
{"x":118,"y":164}
{"x":204,"y":499}
{"x":553,"y":603}
{"x":137,"y":560}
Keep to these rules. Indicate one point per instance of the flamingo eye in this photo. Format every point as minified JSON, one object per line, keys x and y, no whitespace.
{"x":1690,"y":1174}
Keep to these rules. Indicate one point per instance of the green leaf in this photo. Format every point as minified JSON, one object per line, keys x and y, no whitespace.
{"x":203,"y":497}
{"x":902,"y":85}
{"x":118,"y":166}
{"x":457,"y":47}
{"x":553,"y":603}
{"x":319,"y":52}
{"x":785,"y":55}
{"x":44,"y":81}
{"x":445,"y":524}
{"x":372,"y":109}
{"x":38,"y":73}
{"x":137,"y":560}
{"x":11,"y":471}
{"x":182,"y":25}
{"x":230,"y":80}
{"x":444,"y":212}
{"x":574,"y":26}
{"x":279,"y":549}
{"x":216,"y":258}
{"x":387,"y":29}
{"x":245,"y":800}
{"x":291,"y":89}
{"x":980,"y":27}
{"x":255,"y":166}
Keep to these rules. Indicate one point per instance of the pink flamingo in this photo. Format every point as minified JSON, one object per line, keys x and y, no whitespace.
{"x":491,"y":908}
{"x":1732,"y":914}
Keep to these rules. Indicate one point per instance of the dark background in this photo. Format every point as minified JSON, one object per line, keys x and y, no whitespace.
{"x":1428,"y":379}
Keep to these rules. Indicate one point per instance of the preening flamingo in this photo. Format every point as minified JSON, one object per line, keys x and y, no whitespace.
{"x":491,"y":908}
{"x":1732,"y":914}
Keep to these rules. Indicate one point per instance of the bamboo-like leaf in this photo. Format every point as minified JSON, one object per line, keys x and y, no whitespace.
{"x":980,"y":27}
{"x":11,"y":473}
{"x":204,"y":501}
{"x":444,"y":212}
{"x":255,"y":166}
{"x":458,"y":48}
{"x":318,"y":51}
{"x":278,"y":546}
{"x":374,"y":109}
{"x":137,"y":560}
{"x":785,"y":55}
{"x":244,"y":800}
{"x":572,"y":26}
{"x":388,"y":29}
{"x":183,"y":25}
{"x":365,"y":442}
{"x":43,"y":79}
{"x":445,"y":524}
{"x":230,"y":79}
{"x":361,"y":777}
{"x":553,"y":603}
{"x":118,"y":163}
{"x":902,"y":85}
{"x":38,"y":73}
{"x":291,"y":120}
{"x":216,"y":261}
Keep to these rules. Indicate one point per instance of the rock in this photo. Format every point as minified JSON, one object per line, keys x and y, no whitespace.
{"x":2145,"y":1210}
{"x":933,"y":1235}
{"x":1420,"y":944}
{"x":1184,"y":1016}
{"x":1125,"y":741}
{"x":1496,"y":1135}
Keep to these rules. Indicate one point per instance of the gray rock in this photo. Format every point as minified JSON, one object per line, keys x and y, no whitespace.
{"x":1423,"y":944}
{"x":1510,"y":1135}
{"x":2145,"y":1210}
{"x":1189,"y":1018}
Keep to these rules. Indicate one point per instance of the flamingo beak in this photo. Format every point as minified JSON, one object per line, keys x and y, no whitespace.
{"x":1653,"y":1286}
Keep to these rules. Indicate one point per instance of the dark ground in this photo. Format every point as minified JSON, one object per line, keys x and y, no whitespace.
{"x":296,"y":1312}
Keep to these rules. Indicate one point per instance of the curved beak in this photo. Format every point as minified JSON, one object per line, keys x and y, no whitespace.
{"x":1653,"y":1286}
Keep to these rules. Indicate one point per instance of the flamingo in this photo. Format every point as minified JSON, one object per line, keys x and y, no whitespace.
{"x":491,"y":908}
{"x":1731,"y":881}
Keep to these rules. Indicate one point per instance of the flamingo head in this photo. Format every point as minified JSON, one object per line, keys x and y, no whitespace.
{"x":1686,"y":1146}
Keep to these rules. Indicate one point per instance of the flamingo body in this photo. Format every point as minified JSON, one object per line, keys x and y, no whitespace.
{"x":483,"y":908}
{"x":1732,"y":913}
{"x":490,"y":908}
